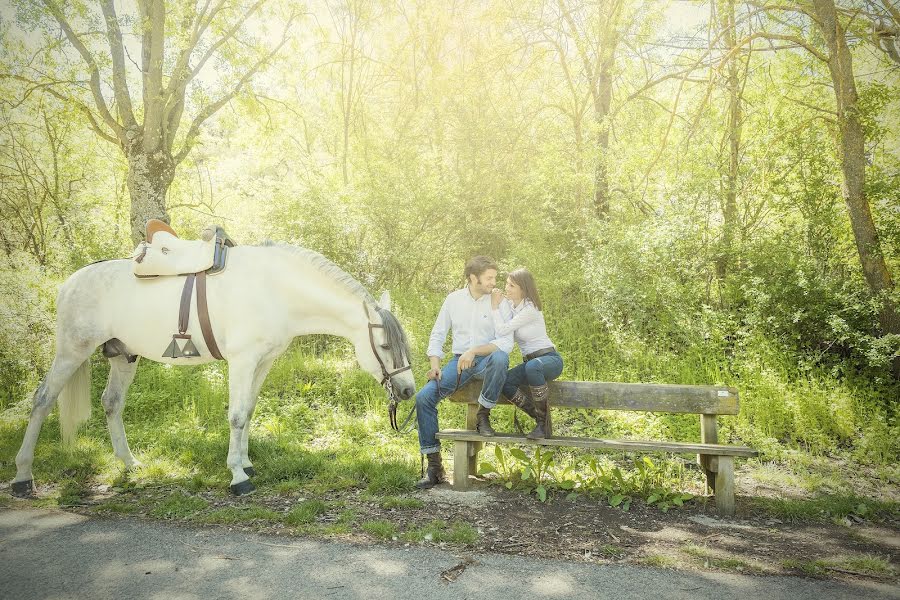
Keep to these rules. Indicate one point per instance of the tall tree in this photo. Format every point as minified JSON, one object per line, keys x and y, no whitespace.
{"x":727,"y":26}
{"x":176,"y":43}
{"x":595,"y":30}
{"x":825,"y":18}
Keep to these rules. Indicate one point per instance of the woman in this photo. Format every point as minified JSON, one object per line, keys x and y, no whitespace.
{"x":542,"y":362}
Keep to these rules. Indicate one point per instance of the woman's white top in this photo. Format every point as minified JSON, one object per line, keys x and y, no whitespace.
{"x":526,"y":324}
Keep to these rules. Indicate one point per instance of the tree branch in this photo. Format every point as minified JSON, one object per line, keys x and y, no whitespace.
{"x":120,"y":80}
{"x":48,"y":87}
{"x":211,"y":109}
{"x":92,"y":67}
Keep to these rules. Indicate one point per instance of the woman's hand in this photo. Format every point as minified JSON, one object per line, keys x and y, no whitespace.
{"x":496,"y":298}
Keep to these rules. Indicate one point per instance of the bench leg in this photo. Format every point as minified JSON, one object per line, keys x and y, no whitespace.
{"x":725,"y":485}
{"x":708,"y":435}
{"x":474,"y":449}
{"x":460,"y":465}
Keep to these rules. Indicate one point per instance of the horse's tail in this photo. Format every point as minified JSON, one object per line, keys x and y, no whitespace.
{"x":75,"y":402}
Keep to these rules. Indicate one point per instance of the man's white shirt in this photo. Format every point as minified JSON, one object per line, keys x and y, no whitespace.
{"x":471,"y":322}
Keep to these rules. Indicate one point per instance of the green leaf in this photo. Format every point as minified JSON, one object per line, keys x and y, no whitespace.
{"x":486,"y":467}
{"x":518,"y":454}
{"x":509,"y":485}
{"x":626,"y":504}
{"x":498,"y":453}
{"x":572,"y":496}
{"x":568,"y":484}
{"x":648,"y":462}
{"x":542,"y":493}
{"x":653,"y":498}
{"x":616,"y":500}
{"x":526,"y":473}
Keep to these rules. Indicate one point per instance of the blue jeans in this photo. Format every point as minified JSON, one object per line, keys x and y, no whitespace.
{"x":537,"y":371}
{"x":492,"y":367}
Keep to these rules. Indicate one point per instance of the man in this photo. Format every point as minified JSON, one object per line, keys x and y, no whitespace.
{"x":477,"y":351}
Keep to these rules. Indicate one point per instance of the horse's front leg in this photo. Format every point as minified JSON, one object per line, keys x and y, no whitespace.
{"x":262,"y":370}
{"x":240,"y":406}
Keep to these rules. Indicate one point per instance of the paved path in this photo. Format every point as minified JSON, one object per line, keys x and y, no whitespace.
{"x":52,"y":554}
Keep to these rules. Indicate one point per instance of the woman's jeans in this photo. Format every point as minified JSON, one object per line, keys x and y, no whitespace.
{"x":492,"y":367}
{"x":537,"y":371}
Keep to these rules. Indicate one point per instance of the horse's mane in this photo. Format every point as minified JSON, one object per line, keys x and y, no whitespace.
{"x":327,"y":267}
{"x":396,"y":337}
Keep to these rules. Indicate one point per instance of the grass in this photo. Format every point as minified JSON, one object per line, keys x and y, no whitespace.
{"x":121,"y":508}
{"x":660,"y":561}
{"x":381,"y":529}
{"x":713,"y":559}
{"x":179,"y":506}
{"x":306,"y":512}
{"x":864,"y":564}
{"x":395,"y":503}
{"x":439,"y":531}
{"x":233,"y":515}
{"x":827,"y":508}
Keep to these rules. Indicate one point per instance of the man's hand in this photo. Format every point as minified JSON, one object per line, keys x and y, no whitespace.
{"x":466,"y":360}
{"x":435,"y":371}
{"x":496,"y":298}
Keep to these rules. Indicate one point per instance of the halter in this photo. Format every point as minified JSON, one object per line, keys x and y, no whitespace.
{"x":386,"y":379}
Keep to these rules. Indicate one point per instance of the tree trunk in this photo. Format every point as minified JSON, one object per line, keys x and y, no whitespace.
{"x":735,"y":116}
{"x":149,"y":178}
{"x":851,"y":149}
{"x":602,"y":103}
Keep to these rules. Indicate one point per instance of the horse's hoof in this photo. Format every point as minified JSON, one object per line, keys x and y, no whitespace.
{"x":250,"y":471}
{"x":23,"y":489}
{"x":243,"y":488}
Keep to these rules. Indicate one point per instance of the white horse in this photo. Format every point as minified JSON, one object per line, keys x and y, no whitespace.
{"x":266,"y":296}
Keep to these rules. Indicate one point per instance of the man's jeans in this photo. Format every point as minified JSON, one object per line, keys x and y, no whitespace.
{"x":537,"y":371}
{"x":492,"y":367}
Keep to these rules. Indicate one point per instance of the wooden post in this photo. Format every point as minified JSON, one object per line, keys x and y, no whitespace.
{"x":460,"y":465}
{"x":474,"y":447}
{"x":709,"y":434}
{"x":725,"y":486}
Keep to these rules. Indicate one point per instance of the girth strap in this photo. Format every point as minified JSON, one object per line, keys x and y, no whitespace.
{"x":184,"y":314}
{"x":203,"y":313}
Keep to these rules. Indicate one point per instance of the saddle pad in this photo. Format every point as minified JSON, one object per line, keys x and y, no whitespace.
{"x":169,"y":255}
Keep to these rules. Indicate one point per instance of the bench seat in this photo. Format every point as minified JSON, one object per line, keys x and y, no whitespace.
{"x":600,"y":444}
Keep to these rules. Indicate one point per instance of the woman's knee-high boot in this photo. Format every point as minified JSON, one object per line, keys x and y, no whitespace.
{"x":539,"y":394}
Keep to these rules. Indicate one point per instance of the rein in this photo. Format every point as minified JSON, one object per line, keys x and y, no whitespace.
{"x":393,"y":402}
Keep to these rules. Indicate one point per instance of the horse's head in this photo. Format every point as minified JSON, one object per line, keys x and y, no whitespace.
{"x":386,"y":355}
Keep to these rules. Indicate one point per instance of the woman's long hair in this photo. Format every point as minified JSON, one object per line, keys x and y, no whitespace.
{"x":524,"y":279}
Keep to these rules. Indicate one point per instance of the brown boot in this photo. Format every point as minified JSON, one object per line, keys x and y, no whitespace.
{"x":435,"y":474}
{"x":524,"y":403}
{"x":539,"y":393}
{"x":483,"y":426}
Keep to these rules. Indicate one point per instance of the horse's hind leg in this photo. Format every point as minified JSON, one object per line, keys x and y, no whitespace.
{"x":63,"y":368}
{"x":240,"y":386}
{"x":121,"y":374}
{"x":261,"y":371}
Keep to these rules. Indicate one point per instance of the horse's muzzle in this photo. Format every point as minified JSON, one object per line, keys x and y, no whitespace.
{"x":406,"y":392}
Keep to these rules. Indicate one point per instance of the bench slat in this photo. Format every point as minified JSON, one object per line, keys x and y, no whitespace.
{"x":692,"y":399}
{"x":637,"y":445}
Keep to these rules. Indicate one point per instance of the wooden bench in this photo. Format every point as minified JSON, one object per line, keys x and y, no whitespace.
{"x":716,"y":460}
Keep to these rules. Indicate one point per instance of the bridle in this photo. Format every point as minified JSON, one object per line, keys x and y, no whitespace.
{"x":386,"y":379}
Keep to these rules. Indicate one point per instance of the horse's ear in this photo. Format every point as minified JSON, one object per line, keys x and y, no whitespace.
{"x":385,"y":301}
